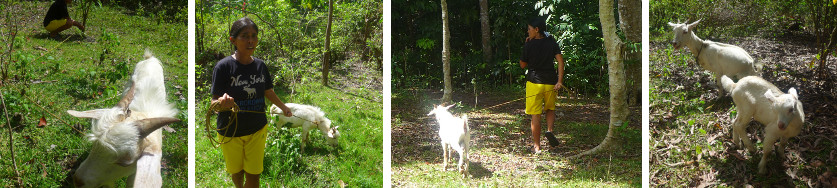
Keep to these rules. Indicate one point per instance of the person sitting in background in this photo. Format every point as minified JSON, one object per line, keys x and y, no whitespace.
{"x":58,"y":18}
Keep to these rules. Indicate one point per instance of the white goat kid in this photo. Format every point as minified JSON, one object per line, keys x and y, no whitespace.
{"x":719,"y":58}
{"x":455,"y":135}
{"x":126,"y":138}
{"x":307,"y":117}
{"x":781,"y":113}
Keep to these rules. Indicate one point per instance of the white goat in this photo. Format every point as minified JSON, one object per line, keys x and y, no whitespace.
{"x":719,"y":58}
{"x":126,"y":138}
{"x":307,"y":117}
{"x":455,"y":135}
{"x":781,"y":113}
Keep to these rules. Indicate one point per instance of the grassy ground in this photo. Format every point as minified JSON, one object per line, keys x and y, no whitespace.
{"x":75,"y":75}
{"x":690,"y":124}
{"x":500,"y":156}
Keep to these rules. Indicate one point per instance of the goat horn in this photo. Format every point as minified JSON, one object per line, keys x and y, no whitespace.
{"x":127,"y":98}
{"x":146,"y":126}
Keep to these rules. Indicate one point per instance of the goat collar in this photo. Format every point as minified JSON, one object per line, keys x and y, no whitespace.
{"x":699,"y":49}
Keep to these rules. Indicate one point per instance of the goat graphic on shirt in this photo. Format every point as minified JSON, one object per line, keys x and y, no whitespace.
{"x":252,"y":102}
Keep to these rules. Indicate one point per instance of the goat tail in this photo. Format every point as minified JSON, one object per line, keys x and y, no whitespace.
{"x":465,"y":120}
{"x":147,"y":54}
{"x":727,"y":83}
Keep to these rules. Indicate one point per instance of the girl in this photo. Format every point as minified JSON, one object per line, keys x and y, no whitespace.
{"x":242,"y":80}
{"x":542,"y":79}
{"x":58,"y":19}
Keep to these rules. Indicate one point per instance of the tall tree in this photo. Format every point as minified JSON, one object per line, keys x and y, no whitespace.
{"x":630,"y":21}
{"x":326,"y":60}
{"x":446,"y":53}
{"x":486,"y":31}
{"x":616,"y":73}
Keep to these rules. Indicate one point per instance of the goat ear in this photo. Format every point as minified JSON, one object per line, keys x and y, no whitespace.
{"x":146,"y":126}
{"x":448,"y":107}
{"x":693,"y":24}
{"x":769,"y":96}
{"x":672,"y":24}
{"x":792,"y":92}
{"x":92,"y":114}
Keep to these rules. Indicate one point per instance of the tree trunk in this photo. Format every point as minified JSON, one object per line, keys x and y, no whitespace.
{"x":446,"y":53}
{"x":630,"y":21}
{"x":616,"y":72}
{"x":326,"y":60}
{"x":486,"y":31}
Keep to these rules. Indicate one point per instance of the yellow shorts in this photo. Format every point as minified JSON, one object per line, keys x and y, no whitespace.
{"x":55,"y":24}
{"x":544,"y":97}
{"x":245,"y":152}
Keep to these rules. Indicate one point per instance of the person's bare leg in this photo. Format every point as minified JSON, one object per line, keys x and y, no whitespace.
{"x":75,"y":23}
{"x":252,"y":180}
{"x":536,"y":132}
{"x":550,"y":120}
{"x":238,"y":179}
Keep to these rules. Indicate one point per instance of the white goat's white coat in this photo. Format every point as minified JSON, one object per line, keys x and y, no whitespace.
{"x":307,"y":117}
{"x":718,"y":58}
{"x":455,"y":135}
{"x":126,"y":139}
{"x":781,"y":113}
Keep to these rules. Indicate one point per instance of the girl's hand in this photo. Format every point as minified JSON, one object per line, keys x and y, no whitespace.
{"x":557,"y":86}
{"x":286,"y":111}
{"x":227,"y":102}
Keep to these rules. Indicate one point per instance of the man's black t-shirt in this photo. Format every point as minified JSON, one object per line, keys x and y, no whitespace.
{"x":57,"y":11}
{"x":246,"y":84}
{"x":539,"y":54}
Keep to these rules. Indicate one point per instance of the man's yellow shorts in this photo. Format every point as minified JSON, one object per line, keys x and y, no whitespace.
{"x":245,"y":152}
{"x":544,"y":97}
{"x":55,"y":24}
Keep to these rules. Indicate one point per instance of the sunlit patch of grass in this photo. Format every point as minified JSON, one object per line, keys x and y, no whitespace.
{"x":499,"y":156}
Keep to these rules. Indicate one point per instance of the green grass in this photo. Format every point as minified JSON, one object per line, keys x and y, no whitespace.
{"x":499,"y":156}
{"x":357,"y":161}
{"x":75,"y":78}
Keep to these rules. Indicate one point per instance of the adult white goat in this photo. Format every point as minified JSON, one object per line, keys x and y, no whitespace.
{"x":126,"y":138}
{"x":719,"y":58}
{"x":780,"y":113}
{"x":307,"y":117}
{"x":455,"y":135}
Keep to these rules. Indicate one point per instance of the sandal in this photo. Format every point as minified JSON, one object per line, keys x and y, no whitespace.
{"x":552,"y":140}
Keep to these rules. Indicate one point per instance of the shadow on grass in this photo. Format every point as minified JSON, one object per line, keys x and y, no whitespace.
{"x":66,"y":35}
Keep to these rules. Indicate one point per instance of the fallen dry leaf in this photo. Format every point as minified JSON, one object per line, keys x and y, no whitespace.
{"x":42,"y":122}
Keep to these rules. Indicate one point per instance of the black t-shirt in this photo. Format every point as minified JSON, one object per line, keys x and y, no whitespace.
{"x":539,"y":54}
{"x":57,"y":11}
{"x":246,"y":84}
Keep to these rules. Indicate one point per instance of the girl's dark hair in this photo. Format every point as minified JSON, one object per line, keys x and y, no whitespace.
{"x":239,"y":25}
{"x":538,"y":23}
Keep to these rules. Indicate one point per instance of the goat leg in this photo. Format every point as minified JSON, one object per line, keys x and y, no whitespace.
{"x":769,"y":140}
{"x":444,"y":157}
